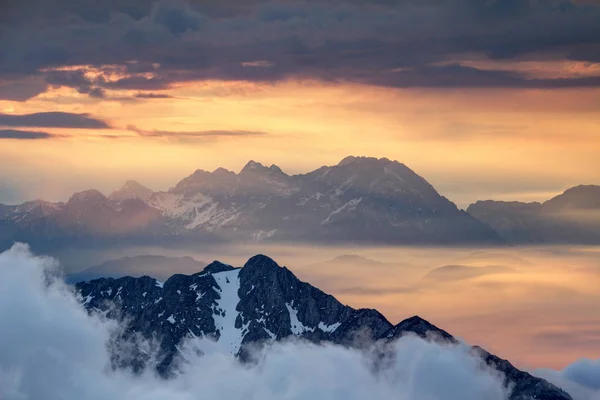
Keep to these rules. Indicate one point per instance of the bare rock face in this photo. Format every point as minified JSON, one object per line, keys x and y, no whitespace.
{"x":259,"y":303}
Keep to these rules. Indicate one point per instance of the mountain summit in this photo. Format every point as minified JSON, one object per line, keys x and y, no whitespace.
{"x":359,"y":200}
{"x":230,"y":309}
{"x":131,"y":190}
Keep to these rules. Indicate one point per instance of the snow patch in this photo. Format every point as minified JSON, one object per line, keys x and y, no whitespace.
{"x":261,"y":235}
{"x":390,"y":171}
{"x":196,"y":211}
{"x":88,"y":298}
{"x":271,"y":334}
{"x":329,"y":328}
{"x":296,"y":326}
{"x":225,"y":313}
{"x":349,"y":206}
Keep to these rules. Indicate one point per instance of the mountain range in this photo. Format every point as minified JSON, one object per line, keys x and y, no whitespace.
{"x":230,"y":310}
{"x":360,"y":200}
{"x":572,"y":217}
{"x":160,"y":267}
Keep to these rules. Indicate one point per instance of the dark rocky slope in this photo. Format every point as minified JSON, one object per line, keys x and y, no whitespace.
{"x":258,"y":303}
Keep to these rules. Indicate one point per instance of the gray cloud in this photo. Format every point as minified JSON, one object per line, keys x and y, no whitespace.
{"x":22,"y":90}
{"x":152,"y":96}
{"x":193,"y":134}
{"x":582,"y":337}
{"x":586,"y":372}
{"x":24,"y":135}
{"x":53,"y":120}
{"x":380,"y":42}
{"x":581,"y":378}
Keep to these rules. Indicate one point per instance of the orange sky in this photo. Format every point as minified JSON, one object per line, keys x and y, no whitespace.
{"x":520,"y":144}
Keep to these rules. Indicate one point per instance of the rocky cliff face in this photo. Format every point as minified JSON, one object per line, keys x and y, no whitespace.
{"x":230,"y":309}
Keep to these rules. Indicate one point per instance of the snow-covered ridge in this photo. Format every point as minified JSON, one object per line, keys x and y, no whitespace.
{"x":197,"y":211}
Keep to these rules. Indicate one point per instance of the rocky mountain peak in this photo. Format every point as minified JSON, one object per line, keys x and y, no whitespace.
{"x":276,"y":169}
{"x":200,"y":181}
{"x":360,"y":160}
{"x":90,"y":195}
{"x":258,"y":168}
{"x":420,"y":327}
{"x":252,"y":166}
{"x":582,"y":197}
{"x":216,"y":267}
{"x":223,"y":172}
{"x":261,"y":262}
{"x":197,"y":176}
{"x":131,"y":190}
{"x":41,"y":205}
{"x":132,"y":184}
{"x":243,"y":308}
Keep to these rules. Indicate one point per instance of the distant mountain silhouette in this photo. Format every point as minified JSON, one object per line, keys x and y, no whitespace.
{"x":131,"y":190}
{"x":360,"y":200}
{"x":572,"y":217}
{"x":159,"y":267}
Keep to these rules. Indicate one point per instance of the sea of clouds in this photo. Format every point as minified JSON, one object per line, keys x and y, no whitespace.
{"x":51,"y":349}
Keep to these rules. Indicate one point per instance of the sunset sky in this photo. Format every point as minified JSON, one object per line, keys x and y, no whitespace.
{"x":485,"y":99}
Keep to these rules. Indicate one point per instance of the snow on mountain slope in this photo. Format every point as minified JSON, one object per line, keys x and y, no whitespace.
{"x":225,"y":313}
{"x":193,"y":212}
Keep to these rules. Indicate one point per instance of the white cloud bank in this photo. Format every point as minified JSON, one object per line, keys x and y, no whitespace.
{"x":580,"y":379}
{"x":51,"y":349}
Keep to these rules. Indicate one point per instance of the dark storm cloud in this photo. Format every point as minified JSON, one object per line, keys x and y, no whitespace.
{"x":21,"y":90}
{"x":24,"y":135}
{"x":53,"y":120}
{"x":390,"y":43}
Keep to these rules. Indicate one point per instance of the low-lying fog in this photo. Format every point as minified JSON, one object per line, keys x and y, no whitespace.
{"x":536,"y":306}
